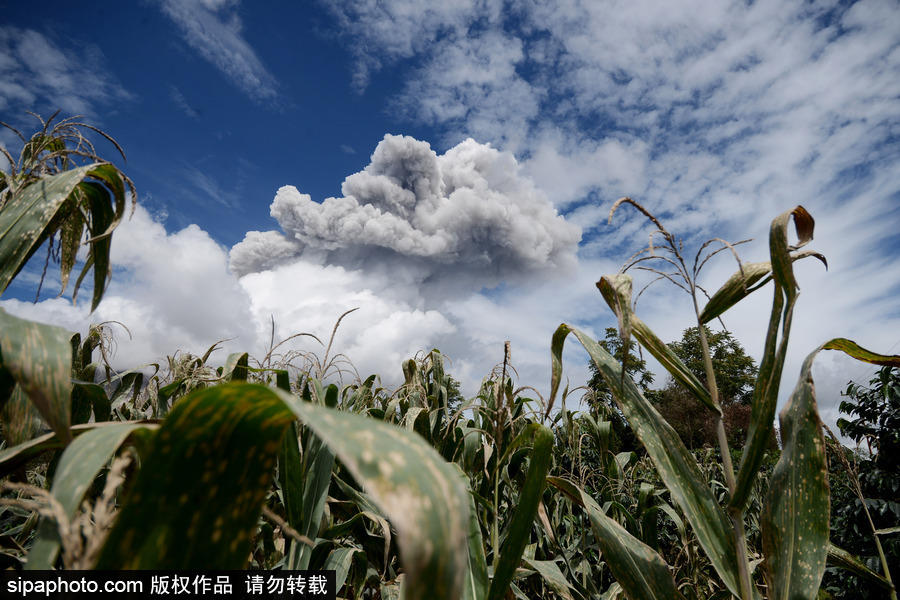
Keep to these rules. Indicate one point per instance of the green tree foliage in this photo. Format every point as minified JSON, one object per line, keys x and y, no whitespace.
{"x":870,"y":487}
{"x":735,"y":371}
{"x":735,"y":378}
{"x":599,"y":398}
{"x":877,"y":412}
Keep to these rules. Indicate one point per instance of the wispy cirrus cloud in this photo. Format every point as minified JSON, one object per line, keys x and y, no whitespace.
{"x":40,"y":72}
{"x":181,"y":102}
{"x":214,"y":29}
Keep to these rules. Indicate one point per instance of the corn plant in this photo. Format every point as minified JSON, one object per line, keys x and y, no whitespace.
{"x":46,"y":198}
{"x":795,"y":518}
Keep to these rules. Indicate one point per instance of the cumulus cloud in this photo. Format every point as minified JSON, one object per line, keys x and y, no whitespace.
{"x":462,"y":220}
{"x":171,"y":290}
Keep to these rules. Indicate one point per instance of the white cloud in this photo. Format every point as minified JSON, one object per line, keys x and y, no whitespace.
{"x":471,"y":84}
{"x":388,"y":31}
{"x":181,"y":102}
{"x":212,"y":28}
{"x":172,"y":291}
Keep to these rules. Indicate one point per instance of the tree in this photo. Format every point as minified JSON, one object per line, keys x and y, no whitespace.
{"x":735,"y":374}
{"x":47,"y":197}
{"x":866,"y":491}
{"x":735,"y":371}
{"x":600,"y":399}
{"x":877,"y":411}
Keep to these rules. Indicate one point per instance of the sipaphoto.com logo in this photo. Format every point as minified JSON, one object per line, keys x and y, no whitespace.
{"x":58,"y":586}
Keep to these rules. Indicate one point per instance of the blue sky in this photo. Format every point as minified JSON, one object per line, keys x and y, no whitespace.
{"x":256,"y":135}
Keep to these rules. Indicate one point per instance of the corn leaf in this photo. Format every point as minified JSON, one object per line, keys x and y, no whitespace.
{"x":549,"y":570}
{"x":795,"y":518}
{"x":217,"y":449}
{"x":746,"y":280}
{"x":13,"y":457}
{"x":38,"y":358}
{"x":102,"y":221}
{"x":839,"y":557}
{"x":641,"y":572}
{"x":20,"y":417}
{"x":418,"y":491}
{"x":476,"y":582}
{"x":305,"y":479}
{"x":523,"y":517}
{"x":768,"y":380}
{"x":676,"y":466}
{"x":236,"y":366}
{"x":78,"y":467}
{"x":609,"y":286}
{"x":26,"y":216}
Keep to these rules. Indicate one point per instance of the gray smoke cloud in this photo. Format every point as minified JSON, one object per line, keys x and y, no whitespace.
{"x":466,"y":219}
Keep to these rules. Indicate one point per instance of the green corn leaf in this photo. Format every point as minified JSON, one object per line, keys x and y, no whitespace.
{"x":38,"y":358}
{"x":69,"y":241}
{"x":839,"y":557}
{"x":25,"y":217}
{"x":78,"y":467}
{"x":523,"y":518}
{"x":133,"y":381}
{"x":102,"y":221}
{"x":768,"y":380}
{"x":549,"y":570}
{"x":112,"y":179}
{"x":795,"y":519}
{"x":165,"y":393}
{"x":476,"y":583}
{"x":610,"y":286}
{"x":749,"y":278}
{"x":305,"y":482}
{"x":641,"y":572}
{"x":95,"y":398}
{"x":854,"y":350}
{"x":20,"y":417}
{"x":676,"y":466}
{"x":340,"y":560}
{"x":795,"y":532}
{"x":290,"y":473}
{"x":13,"y":457}
{"x":616,"y":290}
{"x":236,"y":366}
{"x":414,"y":487}
{"x":217,"y":449}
